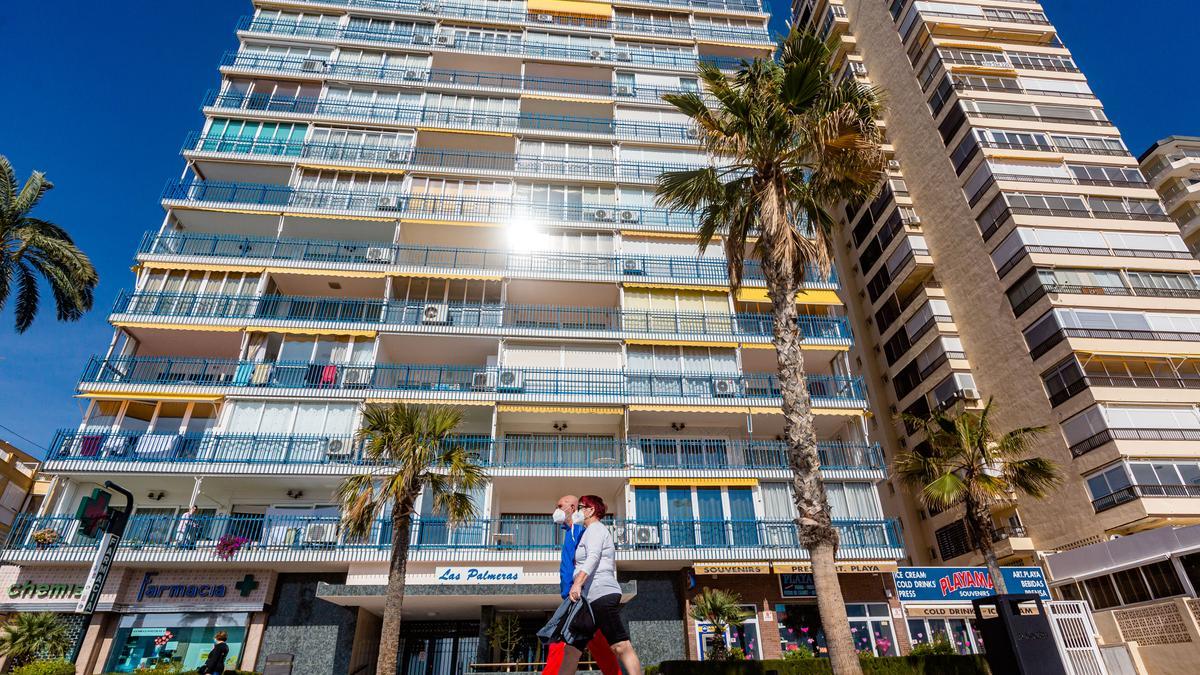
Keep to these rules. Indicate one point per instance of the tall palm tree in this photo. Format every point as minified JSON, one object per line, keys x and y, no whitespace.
{"x":966,"y":462}
{"x":785,"y":141}
{"x":414,"y":448}
{"x":31,"y":247}
{"x":720,"y":609}
{"x":31,"y":635}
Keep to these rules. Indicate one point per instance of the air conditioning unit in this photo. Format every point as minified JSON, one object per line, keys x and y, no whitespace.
{"x":691,"y":133}
{"x":545,"y":18}
{"x":622,"y":56}
{"x":510,"y":380}
{"x":379,"y":254}
{"x":435,"y":312}
{"x":893,"y":164}
{"x":630,"y":216}
{"x":356,"y":378}
{"x":633,"y":266}
{"x":858,"y":68}
{"x":911,"y":220}
{"x":337,"y":448}
{"x":644,"y":535}
{"x":988,"y":63}
{"x":725,"y":387}
{"x":624,"y":90}
{"x":412,"y":75}
{"x":320,"y":533}
{"x":388,"y":203}
{"x":397,"y":155}
{"x":596,"y":54}
{"x":970,"y":394}
{"x":445,"y":40}
{"x":527,"y":165}
{"x":312,"y":66}
{"x":603,"y":215}
{"x":427,"y":6}
{"x":421,"y":39}
{"x":484,"y":380}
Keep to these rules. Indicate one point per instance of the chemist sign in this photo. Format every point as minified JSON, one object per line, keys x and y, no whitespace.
{"x":474,"y":576}
{"x":962,"y":584}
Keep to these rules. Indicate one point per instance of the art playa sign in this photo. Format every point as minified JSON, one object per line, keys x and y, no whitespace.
{"x":463,"y":576}
{"x":963,"y":584}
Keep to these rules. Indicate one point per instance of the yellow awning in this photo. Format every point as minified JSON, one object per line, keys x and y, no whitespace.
{"x":458,"y":223}
{"x":984,"y":70}
{"x":665,"y":235}
{"x":583,"y":7}
{"x":559,"y":410}
{"x":683,"y":408}
{"x":471,"y":132}
{"x":984,"y":46}
{"x":178,"y":326}
{"x":447,"y":275}
{"x":293,"y":330}
{"x":329,"y":216}
{"x":679,"y":287}
{"x":568,"y":99}
{"x":201,"y":267}
{"x":422,"y":401}
{"x":737,"y":482}
{"x":320,"y":272}
{"x":682,"y":343}
{"x":810,"y":297}
{"x":157,"y":396}
{"x":355,"y":168}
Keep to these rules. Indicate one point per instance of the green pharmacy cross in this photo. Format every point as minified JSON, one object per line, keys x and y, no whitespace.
{"x":93,"y":513}
{"x":247,"y":585}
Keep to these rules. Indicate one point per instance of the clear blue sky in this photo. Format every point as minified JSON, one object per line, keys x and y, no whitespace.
{"x":101,"y":95}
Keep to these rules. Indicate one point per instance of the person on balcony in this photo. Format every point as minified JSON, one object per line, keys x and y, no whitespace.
{"x":596,"y":581}
{"x":567,"y":516}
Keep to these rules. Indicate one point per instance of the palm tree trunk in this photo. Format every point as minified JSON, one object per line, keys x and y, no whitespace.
{"x":389,"y":634}
{"x":983,"y":530}
{"x":816,"y":530}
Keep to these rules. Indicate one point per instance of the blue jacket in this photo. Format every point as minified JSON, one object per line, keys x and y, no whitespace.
{"x":566,"y":566}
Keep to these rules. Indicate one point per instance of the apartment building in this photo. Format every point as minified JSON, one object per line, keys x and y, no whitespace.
{"x":1017,"y":252}
{"x":450,"y":203}
{"x":1172,"y":166}
{"x":21,"y":486}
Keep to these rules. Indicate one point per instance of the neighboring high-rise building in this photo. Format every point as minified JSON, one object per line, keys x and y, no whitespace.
{"x":1173,"y":167}
{"x":450,"y":202}
{"x":1017,"y":252}
{"x":22,"y":487}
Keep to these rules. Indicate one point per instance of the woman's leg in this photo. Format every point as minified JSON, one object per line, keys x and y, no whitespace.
{"x":570,"y":662}
{"x":628,"y":658}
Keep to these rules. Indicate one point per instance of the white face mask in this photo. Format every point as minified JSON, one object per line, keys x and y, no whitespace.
{"x":559,"y":516}
{"x":577,"y":517}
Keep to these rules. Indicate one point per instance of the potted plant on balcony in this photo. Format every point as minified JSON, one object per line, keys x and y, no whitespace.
{"x":228,"y":546}
{"x":46,"y":537}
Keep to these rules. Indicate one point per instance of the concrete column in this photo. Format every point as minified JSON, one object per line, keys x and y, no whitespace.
{"x":97,"y":642}
{"x":365,"y":648}
{"x":254,"y":633}
{"x":487,"y":614}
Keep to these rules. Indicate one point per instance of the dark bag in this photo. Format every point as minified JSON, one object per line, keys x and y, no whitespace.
{"x":570,"y":622}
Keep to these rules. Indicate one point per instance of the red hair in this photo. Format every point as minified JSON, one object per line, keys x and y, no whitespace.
{"x":595,"y":503}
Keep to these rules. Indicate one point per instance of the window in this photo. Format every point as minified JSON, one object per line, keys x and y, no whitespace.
{"x":1102,"y":592}
{"x":871,"y":626}
{"x":1108,"y":482}
{"x":853,"y":501}
{"x":1132,"y":586}
{"x":952,"y":540}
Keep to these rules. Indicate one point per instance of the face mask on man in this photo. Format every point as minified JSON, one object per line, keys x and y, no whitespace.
{"x":560,"y":517}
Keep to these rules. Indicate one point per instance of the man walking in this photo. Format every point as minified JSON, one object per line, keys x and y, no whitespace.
{"x":565,"y":512}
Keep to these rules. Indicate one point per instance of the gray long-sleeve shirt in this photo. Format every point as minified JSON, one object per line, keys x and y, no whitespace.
{"x":597,"y":555}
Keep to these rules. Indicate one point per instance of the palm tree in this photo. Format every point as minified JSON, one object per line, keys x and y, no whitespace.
{"x":785,"y":141}
{"x":720,"y":609}
{"x":415,"y":449}
{"x":965,"y":461}
{"x":32,"y":247}
{"x":34,"y":635}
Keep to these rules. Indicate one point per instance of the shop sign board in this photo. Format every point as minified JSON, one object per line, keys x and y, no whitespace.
{"x":732,"y":568}
{"x":471,"y":576}
{"x":962,"y":584}
{"x":98,"y":574}
{"x":842,"y":567}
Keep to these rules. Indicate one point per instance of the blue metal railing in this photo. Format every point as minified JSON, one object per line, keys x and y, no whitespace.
{"x":729,"y":5}
{"x":509,"y":45}
{"x":413,"y":116}
{"x":270,"y":532}
{"x":467,"y":315}
{"x":688,"y":270}
{"x":591,"y":384}
{"x":433,"y":159}
{"x":522,"y":451}
{"x":457,"y":78}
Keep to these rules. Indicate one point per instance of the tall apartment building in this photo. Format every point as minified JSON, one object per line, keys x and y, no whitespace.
{"x":1172,"y":166}
{"x":449,"y":202}
{"x":1017,"y":252}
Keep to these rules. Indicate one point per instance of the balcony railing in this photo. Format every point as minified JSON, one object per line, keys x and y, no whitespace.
{"x":418,"y":116}
{"x":425,"y":36}
{"x":515,"y":533}
{"x":1133,"y":492}
{"x":691,"y":270}
{"x":416,"y":5}
{"x":1075,"y":289}
{"x":452,"y":379}
{"x":435,"y":160}
{"x":466,"y":315}
{"x":1108,"y":435}
{"x":512,"y":452}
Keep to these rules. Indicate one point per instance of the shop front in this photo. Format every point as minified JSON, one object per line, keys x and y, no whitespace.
{"x":150,"y":617}
{"x":937,"y":601}
{"x":781,"y":606}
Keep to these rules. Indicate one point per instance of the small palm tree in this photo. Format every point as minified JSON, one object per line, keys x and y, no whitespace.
{"x":29,"y":636}
{"x":414,"y":447}
{"x":966,"y":462}
{"x":720,"y":609}
{"x":786,"y":140}
{"x":31,"y":247}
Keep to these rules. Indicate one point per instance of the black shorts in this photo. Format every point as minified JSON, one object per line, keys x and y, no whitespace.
{"x":607,"y":612}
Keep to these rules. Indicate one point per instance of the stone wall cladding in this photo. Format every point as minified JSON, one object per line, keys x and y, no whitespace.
{"x":655,"y":617}
{"x":1162,"y":624}
{"x":317,"y":632}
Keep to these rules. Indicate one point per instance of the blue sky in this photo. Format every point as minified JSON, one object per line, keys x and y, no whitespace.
{"x":101,"y":96}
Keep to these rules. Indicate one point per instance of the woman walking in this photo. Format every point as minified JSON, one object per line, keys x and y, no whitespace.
{"x":596,"y":582}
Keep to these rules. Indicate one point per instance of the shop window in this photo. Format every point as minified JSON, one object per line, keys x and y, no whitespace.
{"x":1102,"y":592}
{"x":871,"y":628}
{"x":1132,"y":586}
{"x":958,"y":633}
{"x":144,"y":640}
{"x":1162,"y":579}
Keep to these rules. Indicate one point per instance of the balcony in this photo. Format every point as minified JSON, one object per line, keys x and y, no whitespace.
{"x":73,"y":449}
{"x":473,"y":163}
{"x":1135,"y":492}
{"x":488,"y":319}
{"x":456,"y":382}
{"x":1106,"y":436}
{"x":426,"y":37}
{"x":747,"y":6}
{"x":284,"y":539}
{"x":528,"y":123}
{"x":381,"y":256}
{"x":1050,"y":288}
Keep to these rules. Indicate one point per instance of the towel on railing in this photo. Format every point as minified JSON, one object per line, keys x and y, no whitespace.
{"x":90,"y":446}
{"x":329,"y":376}
{"x":241,"y":377}
{"x":262,"y":372}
